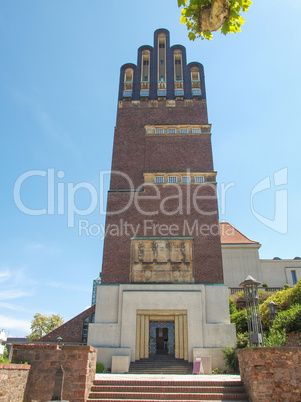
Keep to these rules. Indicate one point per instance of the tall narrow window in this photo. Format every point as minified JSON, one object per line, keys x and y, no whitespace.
{"x":294,"y":277}
{"x":128,"y":82}
{"x":178,"y":73}
{"x":145,"y":66}
{"x":145,"y":74}
{"x":195,"y":81}
{"x":162,"y":57}
{"x":178,"y":65}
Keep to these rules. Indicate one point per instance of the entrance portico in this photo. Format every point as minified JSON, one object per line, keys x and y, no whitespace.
{"x":173,"y":338}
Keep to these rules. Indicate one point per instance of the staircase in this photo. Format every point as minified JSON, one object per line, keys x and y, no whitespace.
{"x":161,"y":364}
{"x":172,"y":390}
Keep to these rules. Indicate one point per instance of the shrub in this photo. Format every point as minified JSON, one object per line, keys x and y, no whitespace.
{"x":99,"y":368}
{"x":232,"y":306}
{"x":265,"y":285}
{"x":286,"y":286}
{"x":276,"y":338}
{"x":289,"y":320}
{"x":231,"y":359}
{"x":284,"y":299}
{"x":240,"y":320}
{"x":242,"y":340}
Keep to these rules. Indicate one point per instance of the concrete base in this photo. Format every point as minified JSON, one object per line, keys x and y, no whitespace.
{"x":216,"y":354}
{"x":206,"y":364}
{"x":207,"y":329}
{"x":105,"y":355}
{"x":120,"y":364}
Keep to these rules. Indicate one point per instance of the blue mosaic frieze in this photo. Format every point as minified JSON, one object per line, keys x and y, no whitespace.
{"x":153,"y":325}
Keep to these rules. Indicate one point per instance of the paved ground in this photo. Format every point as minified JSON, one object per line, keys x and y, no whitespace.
{"x":213,"y":377}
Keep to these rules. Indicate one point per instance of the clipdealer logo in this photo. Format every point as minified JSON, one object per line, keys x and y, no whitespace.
{"x":61,"y":200}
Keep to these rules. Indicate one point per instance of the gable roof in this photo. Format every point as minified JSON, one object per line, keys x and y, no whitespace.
{"x":230,"y":235}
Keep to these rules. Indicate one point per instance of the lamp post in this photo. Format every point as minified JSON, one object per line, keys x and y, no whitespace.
{"x":59,"y":340}
{"x":250,"y":286}
{"x":273,"y":311}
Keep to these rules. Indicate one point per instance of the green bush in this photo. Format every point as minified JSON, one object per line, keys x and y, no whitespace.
{"x":284,"y":299}
{"x":289,"y":320}
{"x":232,"y":306}
{"x":265,"y":285}
{"x":286,"y":286}
{"x":240,"y":320}
{"x":231,"y":359}
{"x":99,"y":368}
{"x":242,"y":340}
{"x":276,"y":338}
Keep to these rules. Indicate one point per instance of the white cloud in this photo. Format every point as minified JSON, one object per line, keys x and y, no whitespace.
{"x":34,"y":247}
{"x":12,"y":294}
{"x":4,"y":275}
{"x":9,"y":324}
{"x":68,"y":286}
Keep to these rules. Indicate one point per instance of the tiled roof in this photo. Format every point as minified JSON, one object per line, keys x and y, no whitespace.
{"x":230,"y":235}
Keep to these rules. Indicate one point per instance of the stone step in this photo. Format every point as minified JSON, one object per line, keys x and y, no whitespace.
{"x":159,"y":400}
{"x":171,"y":388}
{"x":167,"y":397}
{"x":176,"y":383}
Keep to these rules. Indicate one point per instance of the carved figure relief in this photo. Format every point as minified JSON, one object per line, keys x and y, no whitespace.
{"x":162,"y":261}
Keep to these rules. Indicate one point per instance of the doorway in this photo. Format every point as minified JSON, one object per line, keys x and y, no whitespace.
{"x":162,"y":341}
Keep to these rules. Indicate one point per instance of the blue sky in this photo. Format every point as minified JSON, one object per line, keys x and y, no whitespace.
{"x":59,"y":76}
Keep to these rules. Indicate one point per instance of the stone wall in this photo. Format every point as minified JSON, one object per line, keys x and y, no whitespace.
{"x":78,"y":364}
{"x":294,"y":339}
{"x":271,"y":374}
{"x":13,"y":378}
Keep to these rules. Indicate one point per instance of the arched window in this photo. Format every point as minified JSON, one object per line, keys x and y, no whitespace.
{"x":128,"y":83}
{"x":195,"y":81}
{"x":178,"y":65}
{"x":162,"y":65}
{"x":145,"y":73}
{"x":178,"y":73}
{"x":145,"y":65}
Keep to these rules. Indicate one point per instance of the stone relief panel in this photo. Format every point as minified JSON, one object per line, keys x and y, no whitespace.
{"x":162,"y":260}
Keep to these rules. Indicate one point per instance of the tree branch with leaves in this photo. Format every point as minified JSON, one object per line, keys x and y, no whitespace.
{"x":42,"y":325}
{"x":202,"y":17}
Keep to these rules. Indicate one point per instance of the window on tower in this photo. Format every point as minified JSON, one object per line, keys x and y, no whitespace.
{"x":145,"y":74}
{"x":195,"y":82}
{"x":128,"y":83}
{"x":161,"y":73}
{"x":199,"y":179}
{"x":172,"y":179}
{"x":159,"y":179}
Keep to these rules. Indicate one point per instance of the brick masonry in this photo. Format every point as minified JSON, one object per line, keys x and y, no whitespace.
{"x":271,"y":374}
{"x":72,"y":330}
{"x":13,"y":379}
{"x":78,"y":364}
{"x":294,"y":339}
{"x":136,"y":153}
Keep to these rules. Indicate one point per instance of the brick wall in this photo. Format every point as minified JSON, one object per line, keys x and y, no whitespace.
{"x":13,"y":379}
{"x":204,"y":228}
{"x":72,"y":330}
{"x":135,"y":153}
{"x":271,"y":374}
{"x":78,"y":364}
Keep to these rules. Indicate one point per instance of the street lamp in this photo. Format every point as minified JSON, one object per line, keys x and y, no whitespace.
{"x":272,"y":310}
{"x":250,"y":286}
{"x":59,"y":340}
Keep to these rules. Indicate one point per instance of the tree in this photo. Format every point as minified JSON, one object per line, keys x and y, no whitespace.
{"x":202,"y":17}
{"x":42,"y":325}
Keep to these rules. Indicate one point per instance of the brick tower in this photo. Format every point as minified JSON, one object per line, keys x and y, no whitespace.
{"x":162,"y":277}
